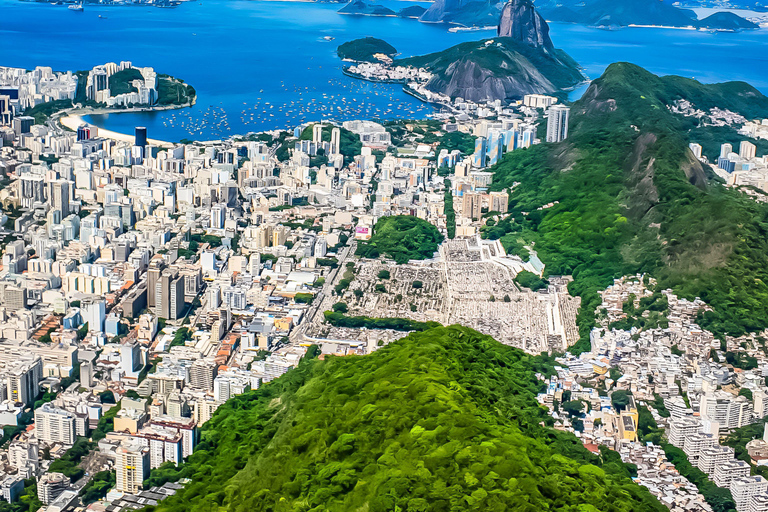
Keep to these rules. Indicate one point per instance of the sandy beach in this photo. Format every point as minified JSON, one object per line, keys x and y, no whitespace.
{"x":73,"y":121}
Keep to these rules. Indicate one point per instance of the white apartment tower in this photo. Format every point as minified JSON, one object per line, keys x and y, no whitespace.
{"x":744,"y":488}
{"x":557,"y":123}
{"x":53,"y":425}
{"x":132,"y":465}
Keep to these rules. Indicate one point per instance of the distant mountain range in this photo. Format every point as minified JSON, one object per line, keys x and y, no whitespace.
{"x":598,"y":13}
{"x":521,"y":60}
{"x":362,"y":8}
{"x":621,"y":13}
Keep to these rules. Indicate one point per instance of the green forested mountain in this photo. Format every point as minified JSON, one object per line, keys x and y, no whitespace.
{"x":443,"y":420}
{"x":632,"y":198}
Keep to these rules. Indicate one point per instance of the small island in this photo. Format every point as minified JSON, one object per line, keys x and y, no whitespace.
{"x":367,"y":49}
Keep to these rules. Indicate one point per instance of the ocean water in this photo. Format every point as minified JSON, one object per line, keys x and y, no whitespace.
{"x":260,"y":65}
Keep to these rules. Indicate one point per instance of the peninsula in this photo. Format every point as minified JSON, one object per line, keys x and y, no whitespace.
{"x":521,"y":60}
{"x":43,"y":93}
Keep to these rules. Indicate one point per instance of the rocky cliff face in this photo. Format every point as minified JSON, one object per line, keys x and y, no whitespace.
{"x":520,"y":21}
{"x":501,"y":68}
{"x":469,"y":80}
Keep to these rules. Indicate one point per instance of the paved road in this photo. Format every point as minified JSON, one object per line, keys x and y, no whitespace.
{"x":324,"y":299}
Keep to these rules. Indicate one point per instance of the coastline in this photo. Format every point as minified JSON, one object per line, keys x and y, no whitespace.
{"x":72,"y":121}
{"x":73,"y":118}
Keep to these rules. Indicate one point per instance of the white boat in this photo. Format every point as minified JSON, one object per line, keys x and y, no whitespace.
{"x":76,"y":7}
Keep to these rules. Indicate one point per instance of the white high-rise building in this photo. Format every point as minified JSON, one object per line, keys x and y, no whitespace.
{"x":758,"y":503}
{"x":317,"y":133}
{"x":695,"y":443}
{"x":335,"y":141}
{"x":747,"y":150}
{"x":22,"y":380}
{"x":132,"y":465}
{"x":744,"y":488}
{"x":729,"y":471}
{"x":695,"y":149}
{"x":557,"y":123}
{"x":218,"y":215}
{"x":54,"y":425}
{"x":711,"y":458}
{"x":94,"y":313}
{"x":681,"y":428}
{"x":726,"y":409}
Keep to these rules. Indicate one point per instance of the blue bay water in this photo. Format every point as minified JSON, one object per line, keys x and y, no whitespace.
{"x":260,"y":65}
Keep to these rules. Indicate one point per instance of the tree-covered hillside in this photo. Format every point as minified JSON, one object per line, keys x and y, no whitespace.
{"x":444,"y":420}
{"x":402,"y":238}
{"x":632,"y":198}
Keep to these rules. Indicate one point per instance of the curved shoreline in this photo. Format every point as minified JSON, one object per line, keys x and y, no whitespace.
{"x":73,"y":118}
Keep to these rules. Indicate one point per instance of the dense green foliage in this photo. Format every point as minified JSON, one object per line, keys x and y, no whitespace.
{"x":464,"y":142}
{"x":69,"y":463}
{"x":653,"y":211}
{"x":98,"y":486}
{"x":171,"y":91}
{"x":444,"y":420}
{"x":364,"y":49}
{"x":450,"y":214}
{"x":121,"y":82}
{"x":402,"y":238}
{"x":304,"y":298}
{"x":43,"y":111}
{"x":530,"y":280}
{"x":106,"y":423}
{"x":650,"y":314}
{"x":338,"y":319}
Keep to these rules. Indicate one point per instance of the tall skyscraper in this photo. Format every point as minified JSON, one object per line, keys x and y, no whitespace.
{"x":218,"y":215}
{"x":132,"y":465}
{"x":527,"y":138}
{"x":747,"y":150}
{"x":495,"y":149}
{"x":335,"y":141}
{"x":140,"y":138}
{"x":60,"y":199}
{"x":478,"y":158}
{"x":725,"y":150}
{"x":156,"y":266}
{"x":83,"y":132}
{"x":557,"y":123}
{"x":86,"y":374}
{"x":317,"y":133}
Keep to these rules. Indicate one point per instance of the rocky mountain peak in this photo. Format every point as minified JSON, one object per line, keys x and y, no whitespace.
{"x":520,"y":21}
